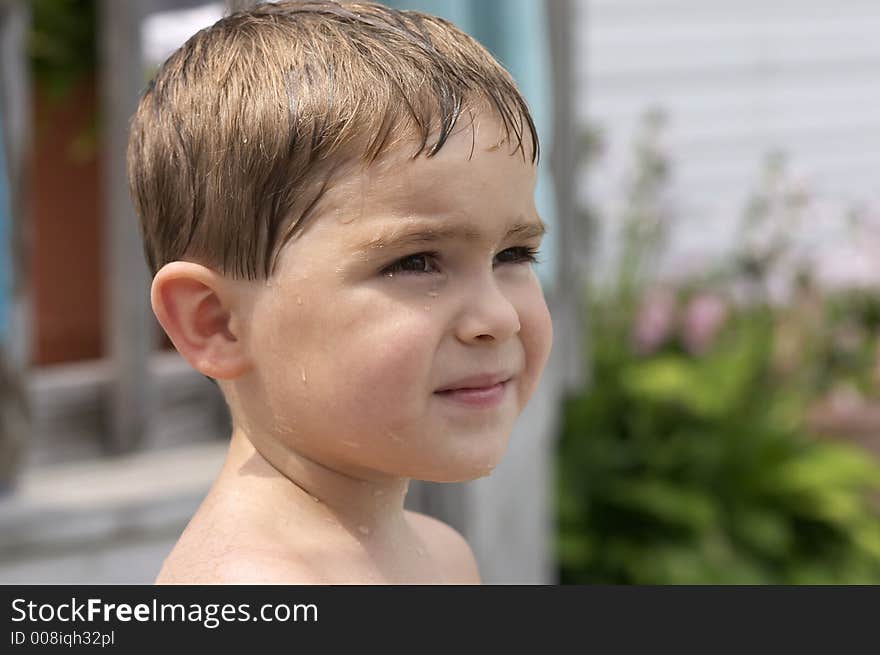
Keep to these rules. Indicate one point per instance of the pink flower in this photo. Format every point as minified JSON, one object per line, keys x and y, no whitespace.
{"x":655,"y":320}
{"x":703,"y":319}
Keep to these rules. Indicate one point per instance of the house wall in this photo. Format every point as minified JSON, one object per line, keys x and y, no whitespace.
{"x":737,"y":80}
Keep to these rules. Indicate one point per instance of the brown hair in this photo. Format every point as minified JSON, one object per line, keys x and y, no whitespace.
{"x":236,"y":138}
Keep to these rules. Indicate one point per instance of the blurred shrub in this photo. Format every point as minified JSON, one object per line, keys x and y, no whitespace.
{"x":687,"y":459}
{"x":62,"y":44}
{"x":62,"y":51}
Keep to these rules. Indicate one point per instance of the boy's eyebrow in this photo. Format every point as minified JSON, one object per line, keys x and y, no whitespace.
{"x":431,"y":234}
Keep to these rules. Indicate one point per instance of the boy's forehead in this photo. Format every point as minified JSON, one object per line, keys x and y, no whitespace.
{"x":442,"y":193}
{"x":474,"y":135}
{"x":423,"y":222}
{"x":367,"y":206}
{"x":449,"y":179}
{"x":372,"y":212}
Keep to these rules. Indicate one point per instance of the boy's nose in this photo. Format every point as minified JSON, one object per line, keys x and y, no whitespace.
{"x":487,"y":314}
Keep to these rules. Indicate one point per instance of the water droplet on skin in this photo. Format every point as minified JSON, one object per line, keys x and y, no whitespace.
{"x":316,"y":499}
{"x":395,"y":437}
{"x":420,"y":551}
{"x":433,"y":294}
{"x":343,"y":216}
{"x":299,"y":301}
{"x":378,"y":492}
{"x":350,"y":444}
{"x":303,"y":370}
{"x":363,"y":529}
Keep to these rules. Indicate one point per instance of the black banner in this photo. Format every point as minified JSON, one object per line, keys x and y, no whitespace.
{"x":133,"y":618}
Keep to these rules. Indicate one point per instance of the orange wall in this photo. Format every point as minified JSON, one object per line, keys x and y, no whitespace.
{"x":66,"y":246}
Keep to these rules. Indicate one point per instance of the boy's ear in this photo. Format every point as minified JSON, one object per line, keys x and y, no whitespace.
{"x":195,"y":306}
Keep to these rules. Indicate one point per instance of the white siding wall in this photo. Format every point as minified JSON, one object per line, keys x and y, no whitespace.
{"x":737,"y":79}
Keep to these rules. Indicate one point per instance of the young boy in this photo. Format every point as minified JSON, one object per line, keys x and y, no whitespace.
{"x":336,"y":201}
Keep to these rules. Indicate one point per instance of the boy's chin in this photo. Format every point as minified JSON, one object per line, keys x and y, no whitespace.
{"x":459,"y":478}
{"x":457,"y":474}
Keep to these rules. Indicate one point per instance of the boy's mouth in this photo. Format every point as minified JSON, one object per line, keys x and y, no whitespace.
{"x":478,"y":382}
{"x":476,"y":398}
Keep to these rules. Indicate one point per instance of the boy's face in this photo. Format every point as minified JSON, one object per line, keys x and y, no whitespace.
{"x":356,"y":332}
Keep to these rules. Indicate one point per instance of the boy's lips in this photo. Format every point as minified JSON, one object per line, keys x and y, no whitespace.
{"x":477,"y":382}
{"x":483,"y":397}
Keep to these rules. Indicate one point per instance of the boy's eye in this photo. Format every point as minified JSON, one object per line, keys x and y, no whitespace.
{"x":520,"y":255}
{"x":412,"y":264}
{"x":423,"y":262}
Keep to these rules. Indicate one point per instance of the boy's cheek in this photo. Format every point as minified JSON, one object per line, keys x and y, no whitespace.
{"x":546,"y":333}
{"x":537,"y":337}
{"x":368,"y":352}
{"x":391,"y":361}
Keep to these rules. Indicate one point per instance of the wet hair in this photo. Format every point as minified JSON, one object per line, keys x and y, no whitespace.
{"x":243,"y":128}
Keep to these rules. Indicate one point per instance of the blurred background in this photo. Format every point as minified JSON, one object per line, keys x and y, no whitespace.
{"x":711,"y":409}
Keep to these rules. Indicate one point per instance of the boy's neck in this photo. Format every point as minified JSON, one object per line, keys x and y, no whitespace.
{"x":366,"y":508}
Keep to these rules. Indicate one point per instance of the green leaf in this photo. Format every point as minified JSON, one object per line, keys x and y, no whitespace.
{"x":574,"y":550}
{"x":765,"y":531}
{"x":829,"y":467}
{"x":665,"y":502}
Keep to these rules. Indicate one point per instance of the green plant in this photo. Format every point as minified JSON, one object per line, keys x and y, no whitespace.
{"x":683,"y":468}
{"x":61,"y":44}
{"x":675,"y":469}
{"x":62,"y":55}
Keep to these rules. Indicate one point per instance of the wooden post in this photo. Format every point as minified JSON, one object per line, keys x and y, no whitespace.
{"x":130,"y":328}
{"x":568,"y":294}
{"x":15,"y":344}
{"x":15,"y":95}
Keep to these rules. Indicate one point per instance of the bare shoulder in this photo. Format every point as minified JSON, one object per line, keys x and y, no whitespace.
{"x":211,"y":552}
{"x":447,"y":546}
{"x":237,"y":566}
